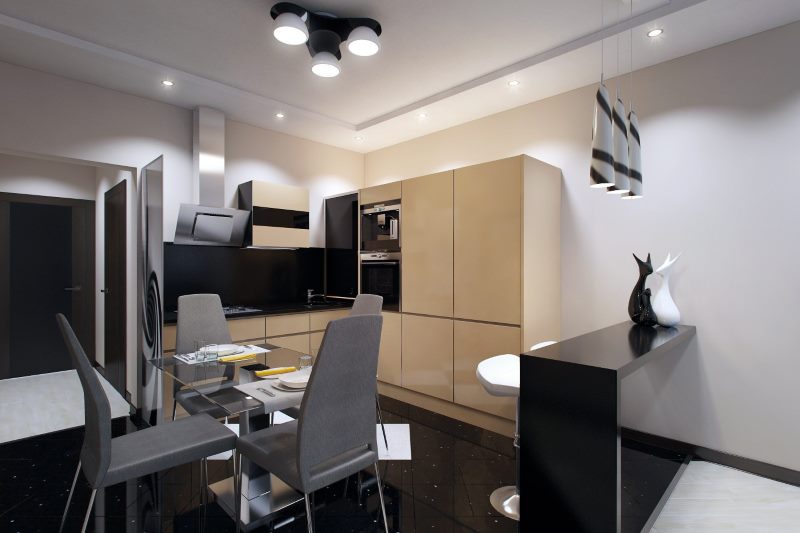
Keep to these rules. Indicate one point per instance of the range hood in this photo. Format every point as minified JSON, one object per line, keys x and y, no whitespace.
{"x":209,"y":222}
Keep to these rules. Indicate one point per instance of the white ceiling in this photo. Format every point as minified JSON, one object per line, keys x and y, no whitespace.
{"x":449,"y":58}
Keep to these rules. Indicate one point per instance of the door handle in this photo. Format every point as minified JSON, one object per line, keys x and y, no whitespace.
{"x":105,"y":291}
{"x":76,"y":288}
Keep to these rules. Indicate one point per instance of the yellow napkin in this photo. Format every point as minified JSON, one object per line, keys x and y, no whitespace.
{"x":273,"y":371}
{"x":237,"y":357}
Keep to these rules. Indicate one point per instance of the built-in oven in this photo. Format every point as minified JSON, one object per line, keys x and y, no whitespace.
{"x":380,"y":228}
{"x":380,"y":274}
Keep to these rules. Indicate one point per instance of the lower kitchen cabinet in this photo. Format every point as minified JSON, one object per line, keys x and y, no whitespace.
{"x":299,"y":343}
{"x":247,"y":329}
{"x":473,"y":343}
{"x":390,"y":366}
{"x":315,"y":341}
{"x":427,"y":348}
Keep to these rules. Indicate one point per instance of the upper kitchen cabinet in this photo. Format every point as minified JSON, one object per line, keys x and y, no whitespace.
{"x":381,"y":193}
{"x":506,"y":245}
{"x":427,"y":273}
{"x":279,"y":214}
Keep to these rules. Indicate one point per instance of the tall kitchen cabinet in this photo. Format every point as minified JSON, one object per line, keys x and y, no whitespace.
{"x":481,"y":274}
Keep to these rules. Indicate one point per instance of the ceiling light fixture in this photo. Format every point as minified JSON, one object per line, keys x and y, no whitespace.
{"x":280,"y":115}
{"x":167,"y":83}
{"x":358,"y":138}
{"x":655,"y":32}
{"x":323,"y":34}
{"x":422,"y":115}
{"x":513,"y":83}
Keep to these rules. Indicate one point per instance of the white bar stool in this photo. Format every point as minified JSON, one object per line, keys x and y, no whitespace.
{"x":499,"y":375}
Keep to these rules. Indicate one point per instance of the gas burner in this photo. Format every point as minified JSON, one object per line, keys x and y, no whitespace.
{"x":238,"y":310}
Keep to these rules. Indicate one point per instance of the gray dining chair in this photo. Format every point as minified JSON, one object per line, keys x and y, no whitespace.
{"x":200,"y":318}
{"x":371,"y":304}
{"x":335,"y":434}
{"x":106,"y":461}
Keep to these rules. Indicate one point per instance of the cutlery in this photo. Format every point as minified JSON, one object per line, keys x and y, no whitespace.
{"x":265,"y":391}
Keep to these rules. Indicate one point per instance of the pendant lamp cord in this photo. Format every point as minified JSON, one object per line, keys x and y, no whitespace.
{"x":630,"y":83}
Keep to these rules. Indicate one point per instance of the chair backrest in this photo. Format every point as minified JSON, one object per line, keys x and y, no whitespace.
{"x":96,"y":450}
{"x":338,"y":410}
{"x":200,"y":317}
{"x":367,"y":304}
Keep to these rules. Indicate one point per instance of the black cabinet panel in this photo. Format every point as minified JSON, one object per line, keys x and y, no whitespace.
{"x":341,"y":245}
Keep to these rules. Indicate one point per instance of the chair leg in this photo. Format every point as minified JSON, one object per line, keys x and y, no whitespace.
{"x":309,"y":514}
{"x":203,"y":491}
{"x":237,"y":493}
{"x":380,"y":495}
{"x":174,"y":407}
{"x":89,"y":511}
{"x":69,"y":498}
{"x":380,"y":419}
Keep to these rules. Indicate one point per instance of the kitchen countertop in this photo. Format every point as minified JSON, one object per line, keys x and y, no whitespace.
{"x":171,"y":317}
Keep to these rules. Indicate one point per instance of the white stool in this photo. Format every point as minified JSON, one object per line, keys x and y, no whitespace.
{"x":499,"y":375}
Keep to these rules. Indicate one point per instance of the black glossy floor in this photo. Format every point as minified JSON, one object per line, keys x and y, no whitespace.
{"x":445,"y":488}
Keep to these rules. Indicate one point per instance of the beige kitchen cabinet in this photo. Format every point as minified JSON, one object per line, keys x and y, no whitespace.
{"x":169,"y":337}
{"x":299,"y":343}
{"x":487,"y":237}
{"x":319,"y":321}
{"x":380,"y":193}
{"x":390,"y":362}
{"x":427,"y":226}
{"x":474,"y":342}
{"x":427,"y":355}
{"x":247,"y":329}
{"x":279,"y":213}
{"x":315,"y":341}
{"x":279,"y":325}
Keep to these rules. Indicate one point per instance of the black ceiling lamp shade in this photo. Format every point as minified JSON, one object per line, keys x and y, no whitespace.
{"x":323,"y":34}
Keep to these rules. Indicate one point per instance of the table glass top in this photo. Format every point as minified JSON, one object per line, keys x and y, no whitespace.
{"x":216,"y":380}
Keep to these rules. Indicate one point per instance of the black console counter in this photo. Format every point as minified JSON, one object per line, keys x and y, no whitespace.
{"x":577,"y":474}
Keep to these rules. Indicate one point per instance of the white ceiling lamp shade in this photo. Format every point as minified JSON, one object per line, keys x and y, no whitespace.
{"x":621,"y":180}
{"x":363,"y":41}
{"x":325,"y":65}
{"x":291,"y":29}
{"x":601,"y":172}
{"x":634,"y":158}
{"x":323,"y":34}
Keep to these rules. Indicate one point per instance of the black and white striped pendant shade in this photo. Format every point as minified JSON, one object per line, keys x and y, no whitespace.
{"x":621,"y":181}
{"x":634,"y":157}
{"x":601,"y":172}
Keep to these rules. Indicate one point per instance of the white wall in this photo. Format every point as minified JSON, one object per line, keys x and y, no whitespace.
{"x":39,"y":177}
{"x":720,"y":132}
{"x":256,"y":153}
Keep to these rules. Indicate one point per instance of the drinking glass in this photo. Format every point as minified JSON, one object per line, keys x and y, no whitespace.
{"x":211,"y":352}
{"x":304,"y":361}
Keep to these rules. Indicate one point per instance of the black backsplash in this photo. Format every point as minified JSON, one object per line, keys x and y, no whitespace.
{"x":241,"y":276}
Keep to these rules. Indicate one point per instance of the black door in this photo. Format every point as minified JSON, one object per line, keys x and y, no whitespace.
{"x":47,"y":256}
{"x":114,"y":290}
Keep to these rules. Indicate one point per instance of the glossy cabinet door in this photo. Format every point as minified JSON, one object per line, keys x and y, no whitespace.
{"x":487,"y":233}
{"x":277,"y":325}
{"x":390,"y":359}
{"x":319,"y":320}
{"x":380,"y":193}
{"x":473,"y":343}
{"x":427,"y":225}
{"x":298,"y":343}
{"x":169,"y":336}
{"x":427,"y":348}
{"x":247,"y":329}
{"x":315,"y":341}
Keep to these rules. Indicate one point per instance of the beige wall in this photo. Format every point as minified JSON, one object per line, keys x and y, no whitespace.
{"x":25,"y":175}
{"x":720,"y":130}
{"x":256,"y":153}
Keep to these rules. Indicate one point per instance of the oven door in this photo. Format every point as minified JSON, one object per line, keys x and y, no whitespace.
{"x":382,"y":278}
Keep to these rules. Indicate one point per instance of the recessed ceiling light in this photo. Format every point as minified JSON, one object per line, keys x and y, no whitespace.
{"x":279,"y":115}
{"x":167,"y":83}
{"x":422,"y":115}
{"x":655,"y":33}
{"x":358,"y":138}
{"x":513,"y":83}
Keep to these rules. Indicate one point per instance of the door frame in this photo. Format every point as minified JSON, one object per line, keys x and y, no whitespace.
{"x":83,"y":212}
{"x":120,"y":188}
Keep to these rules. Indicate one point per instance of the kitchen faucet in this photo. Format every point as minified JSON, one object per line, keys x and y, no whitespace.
{"x":310,"y":296}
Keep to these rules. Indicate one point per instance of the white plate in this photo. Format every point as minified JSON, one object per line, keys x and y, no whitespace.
{"x":294,"y":380}
{"x":228,"y":349}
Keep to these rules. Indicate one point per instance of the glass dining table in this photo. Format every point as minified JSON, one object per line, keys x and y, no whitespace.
{"x":234,"y":390}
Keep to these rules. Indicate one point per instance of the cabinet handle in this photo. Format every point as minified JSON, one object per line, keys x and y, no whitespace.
{"x":76,"y":288}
